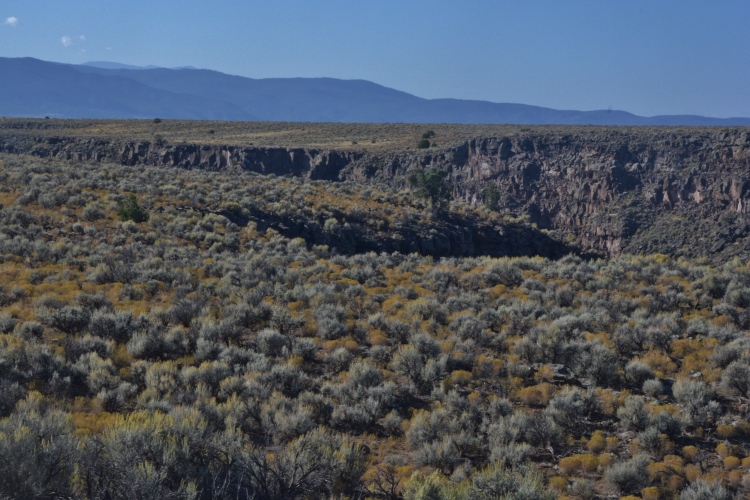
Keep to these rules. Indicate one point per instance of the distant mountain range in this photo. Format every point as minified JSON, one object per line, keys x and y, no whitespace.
{"x":34,"y":88}
{"x":116,"y":65}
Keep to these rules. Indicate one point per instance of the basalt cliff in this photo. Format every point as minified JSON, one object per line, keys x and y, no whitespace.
{"x":681,"y":192}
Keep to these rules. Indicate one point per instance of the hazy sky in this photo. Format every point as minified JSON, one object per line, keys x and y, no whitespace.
{"x":648,"y":57}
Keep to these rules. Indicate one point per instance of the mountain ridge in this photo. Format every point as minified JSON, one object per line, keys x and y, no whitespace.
{"x":35,"y":88}
{"x":116,"y":65}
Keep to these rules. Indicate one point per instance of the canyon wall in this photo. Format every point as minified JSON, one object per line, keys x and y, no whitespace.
{"x":311,"y":163}
{"x":613,"y":191}
{"x":683,"y":192}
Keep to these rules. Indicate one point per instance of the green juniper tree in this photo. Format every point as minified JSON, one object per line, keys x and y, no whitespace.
{"x":492,"y":197}
{"x":431,"y":185}
{"x":130,"y":209}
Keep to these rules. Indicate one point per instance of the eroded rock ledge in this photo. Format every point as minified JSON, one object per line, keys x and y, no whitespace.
{"x":312,"y":163}
{"x":679,"y":192}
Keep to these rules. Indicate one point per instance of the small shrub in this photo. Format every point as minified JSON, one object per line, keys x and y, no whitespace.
{"x":702,"y":490}
{"x":461,"y":377}
{"x":558,"y":483}
{"x":583,"y":489}
{"x":633,"y":415}
{"x":638,"y":373}
{"x":736,"y":379}
{"x":629,"y":477}
{"x":530,"y":396}
{"x":305,"y":348}
{"x":7,"y":323}
{"x":726,"y":431}
{"x":696,"y":399}
{"x":731,"y":463}
{"x":690,"y":453}
{"x":92,"y":213}
{"x":68,"y":319}
{"x":570,"y":465}
{"x":597,"y":443}
{"x":650,"y":493}
{"x":653,"y":388}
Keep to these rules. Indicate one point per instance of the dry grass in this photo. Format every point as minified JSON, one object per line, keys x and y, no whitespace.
{"x":369,"y":137}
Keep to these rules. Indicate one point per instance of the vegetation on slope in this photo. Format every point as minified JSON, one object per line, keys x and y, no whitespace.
{"x":683,"y":192}
{"x":187,"y":356}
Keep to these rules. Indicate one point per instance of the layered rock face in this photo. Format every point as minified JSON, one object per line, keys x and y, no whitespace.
{"x":312,"y":163}
{"x":683,"y":192}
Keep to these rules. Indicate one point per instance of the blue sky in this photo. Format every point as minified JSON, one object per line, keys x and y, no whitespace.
{"x":647,"y":57}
